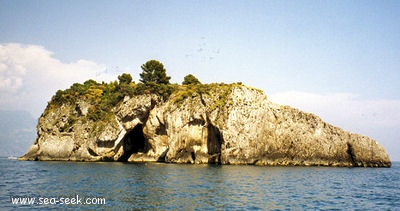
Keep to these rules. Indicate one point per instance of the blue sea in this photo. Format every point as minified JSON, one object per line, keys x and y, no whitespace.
{"x":160,"y":186}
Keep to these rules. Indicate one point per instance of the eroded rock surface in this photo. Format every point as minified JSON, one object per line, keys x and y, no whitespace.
{"x":231,"y":124}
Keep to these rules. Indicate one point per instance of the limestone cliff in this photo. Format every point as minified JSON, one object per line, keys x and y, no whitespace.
{"x":228,"y":124}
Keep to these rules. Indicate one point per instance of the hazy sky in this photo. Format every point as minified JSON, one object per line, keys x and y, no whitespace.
{"x":337,"y":59}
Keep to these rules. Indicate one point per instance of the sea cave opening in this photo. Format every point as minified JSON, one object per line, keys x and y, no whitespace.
{"x":214,"y":143}
{"x":134,"y":142}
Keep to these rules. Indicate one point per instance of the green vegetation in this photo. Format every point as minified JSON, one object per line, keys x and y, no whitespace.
{"x":154,"y":80}
{"x":125,"y":78}
{"x":219,"y":92}
{"x":154,"y":72}
{"x":185,"y":91}
{"x":190,"y":79}
{"x":102,"y":97}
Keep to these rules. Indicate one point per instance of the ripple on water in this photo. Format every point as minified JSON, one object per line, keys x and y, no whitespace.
{"x":203,"y":187}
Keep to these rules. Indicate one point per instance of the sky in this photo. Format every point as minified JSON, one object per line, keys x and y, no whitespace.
{"x":337,"y":59}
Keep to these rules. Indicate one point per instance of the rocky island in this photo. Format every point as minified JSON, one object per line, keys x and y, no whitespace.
{"x":155,"y":121}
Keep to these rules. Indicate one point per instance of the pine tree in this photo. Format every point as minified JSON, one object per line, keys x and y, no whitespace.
{"x":125,"y":78}
{"x":190,"y":79}
{"x":154,"y":72}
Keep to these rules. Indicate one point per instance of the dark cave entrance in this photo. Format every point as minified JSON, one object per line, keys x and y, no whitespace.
{"x":214,"y":142}
{"x":352,"y":156}
{"x":134,"y":142}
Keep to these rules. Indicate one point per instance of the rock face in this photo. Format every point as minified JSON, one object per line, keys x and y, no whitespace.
{"x":231,"y":124}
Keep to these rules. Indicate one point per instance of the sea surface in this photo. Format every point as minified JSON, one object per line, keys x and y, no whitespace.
{"x":160,"y":186}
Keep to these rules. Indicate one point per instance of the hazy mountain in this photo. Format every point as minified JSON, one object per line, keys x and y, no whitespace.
{"x":17,"y":132}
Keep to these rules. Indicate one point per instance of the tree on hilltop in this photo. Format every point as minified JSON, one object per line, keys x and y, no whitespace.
{"x":125,"y":86}
{"x":125,"y":78}
{"x":190,"y":79}
{"x":154,"y":72}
